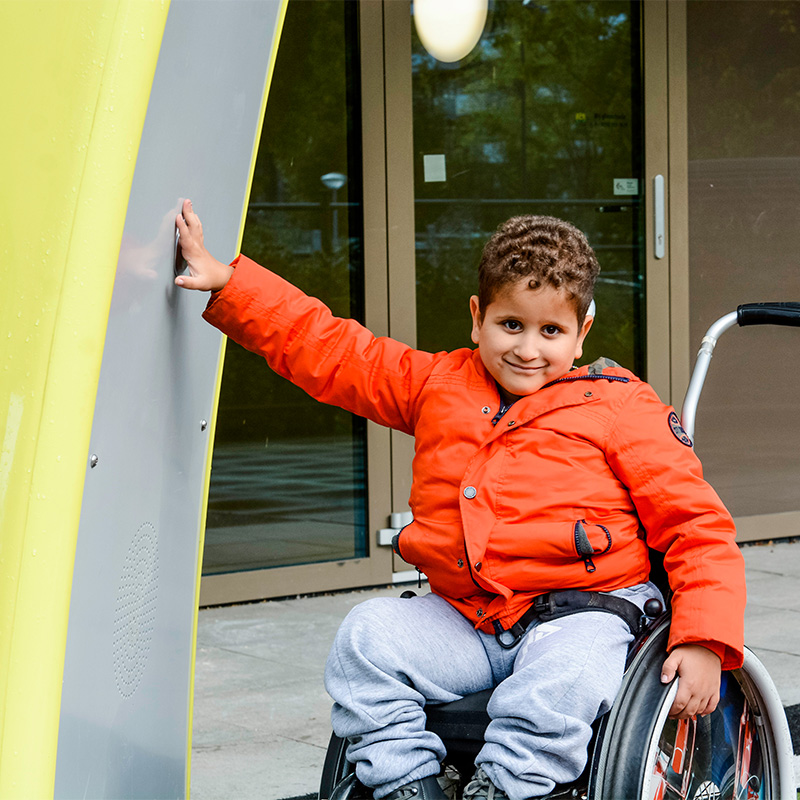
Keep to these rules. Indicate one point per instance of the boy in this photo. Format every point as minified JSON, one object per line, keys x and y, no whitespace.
{"x":530,"y":477}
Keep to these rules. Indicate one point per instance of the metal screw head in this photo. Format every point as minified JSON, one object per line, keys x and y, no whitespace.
{"x":203,"y":424}
{"x":93,"y":460}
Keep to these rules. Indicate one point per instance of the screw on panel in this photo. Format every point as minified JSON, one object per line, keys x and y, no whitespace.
{"x":203,"y":424}
{"x":93,"y":461}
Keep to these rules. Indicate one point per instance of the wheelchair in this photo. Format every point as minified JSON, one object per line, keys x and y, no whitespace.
{"x":742,"y":751}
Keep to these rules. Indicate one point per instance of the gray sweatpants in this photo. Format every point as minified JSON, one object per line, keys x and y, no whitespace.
{"x":391,"y":656}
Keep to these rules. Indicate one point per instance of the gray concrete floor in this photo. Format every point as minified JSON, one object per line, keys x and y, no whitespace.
{"x":261,"y":713}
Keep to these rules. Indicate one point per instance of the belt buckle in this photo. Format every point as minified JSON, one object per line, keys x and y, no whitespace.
{"x":541,"y":603}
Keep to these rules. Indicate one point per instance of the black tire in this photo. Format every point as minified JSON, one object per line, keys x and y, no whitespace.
{"x":335,"y":768}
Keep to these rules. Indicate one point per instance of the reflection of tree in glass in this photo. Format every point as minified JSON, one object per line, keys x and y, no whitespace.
{"x":546,"y":92}
{"x":311,"y":128}
{"x":310,"y":103}
{"x":539,"y":118}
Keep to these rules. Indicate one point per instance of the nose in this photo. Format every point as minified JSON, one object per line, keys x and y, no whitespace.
{"x":526,"y":347}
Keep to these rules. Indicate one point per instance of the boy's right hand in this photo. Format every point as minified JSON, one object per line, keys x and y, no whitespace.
{"x":205,"y":272}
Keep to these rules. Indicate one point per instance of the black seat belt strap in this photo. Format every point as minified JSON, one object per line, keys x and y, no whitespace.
{"x":550,"y":606}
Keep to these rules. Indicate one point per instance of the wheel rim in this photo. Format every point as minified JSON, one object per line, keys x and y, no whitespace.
{"x":718,"y":757}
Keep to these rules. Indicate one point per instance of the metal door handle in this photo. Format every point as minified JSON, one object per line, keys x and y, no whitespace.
{"x":659,"y":230}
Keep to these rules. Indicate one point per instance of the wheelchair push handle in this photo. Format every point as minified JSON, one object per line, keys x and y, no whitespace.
{"x":747,"y":314}
{"x":768,"y":314}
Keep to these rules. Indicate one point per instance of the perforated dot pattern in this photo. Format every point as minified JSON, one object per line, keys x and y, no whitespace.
{"x":135,"y":612}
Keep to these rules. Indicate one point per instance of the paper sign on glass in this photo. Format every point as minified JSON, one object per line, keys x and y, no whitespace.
{"x":434,"y":168}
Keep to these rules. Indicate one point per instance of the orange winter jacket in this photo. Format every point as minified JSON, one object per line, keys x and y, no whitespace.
{"x":566,"y":489}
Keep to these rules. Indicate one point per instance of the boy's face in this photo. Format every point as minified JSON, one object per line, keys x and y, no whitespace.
{"x":527,"y":337}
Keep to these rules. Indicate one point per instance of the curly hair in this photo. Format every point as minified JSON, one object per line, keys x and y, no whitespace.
{"x":545,"y":250}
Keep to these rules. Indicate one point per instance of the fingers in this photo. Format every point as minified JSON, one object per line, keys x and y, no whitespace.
{"x":698,"y":687}
{"x":191,"y":237}
{"x":670,"y":668}
{"x":191,"y":282}
{"x":683,"y":707}
{"x":685,"y":704}
{"x":190,"y":229}
{"x":191,"y":219}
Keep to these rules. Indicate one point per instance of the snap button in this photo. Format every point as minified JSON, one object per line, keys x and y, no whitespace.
{"x":486,"y":410}
{"x":512,"y":422}
{"x":478,"y":566}
{"x":470,"y":492}
{"x":587,"y":394}
{"x":460,"y":563}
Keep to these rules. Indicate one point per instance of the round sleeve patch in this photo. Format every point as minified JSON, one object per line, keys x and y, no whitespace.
{"x":677,"y":429}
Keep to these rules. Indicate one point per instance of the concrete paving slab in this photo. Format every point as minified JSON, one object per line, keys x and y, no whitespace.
{"x":775,"y":558}
{"x":776,"y":629}
{"x":222,"y":671}
{"x":266,"y":769}
{"x":772,"y":591}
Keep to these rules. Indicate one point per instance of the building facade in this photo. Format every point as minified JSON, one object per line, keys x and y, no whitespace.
{"x":668,"y":130}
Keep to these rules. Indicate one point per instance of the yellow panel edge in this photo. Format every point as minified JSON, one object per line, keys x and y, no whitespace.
{"x":207,"y":481}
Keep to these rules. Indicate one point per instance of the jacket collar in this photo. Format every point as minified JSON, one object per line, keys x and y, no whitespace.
{"x":569,"y":390}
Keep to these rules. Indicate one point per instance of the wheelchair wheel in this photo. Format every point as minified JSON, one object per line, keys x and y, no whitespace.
{"x":336,"y":767}
{"x":742,"y":751}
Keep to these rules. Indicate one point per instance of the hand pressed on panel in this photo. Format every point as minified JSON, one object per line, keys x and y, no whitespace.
{"x":205,"y":272}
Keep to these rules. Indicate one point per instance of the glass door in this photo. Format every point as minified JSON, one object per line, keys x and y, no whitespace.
{"x":287,"y":511}
{"x":543,"y":116}
{"x":560,"y":108}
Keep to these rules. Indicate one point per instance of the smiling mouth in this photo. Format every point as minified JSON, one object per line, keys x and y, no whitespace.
{"x":523,"y":368}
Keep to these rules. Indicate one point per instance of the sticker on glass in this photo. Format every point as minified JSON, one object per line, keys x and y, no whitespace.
{"x":627,"y":186}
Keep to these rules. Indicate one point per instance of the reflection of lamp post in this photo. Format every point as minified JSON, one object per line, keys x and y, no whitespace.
{"x":334,"y":181}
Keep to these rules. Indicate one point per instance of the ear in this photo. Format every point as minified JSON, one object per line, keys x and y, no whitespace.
{"x":587,"y":324}
{"x":475,"y":311}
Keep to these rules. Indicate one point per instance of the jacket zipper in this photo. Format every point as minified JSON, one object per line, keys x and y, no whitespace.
{"x":499,"y":415}
{"x":567,"y":378}
{"x":583,"y":547}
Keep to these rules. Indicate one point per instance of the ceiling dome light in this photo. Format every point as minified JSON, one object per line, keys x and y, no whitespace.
{"x":449,"y":29}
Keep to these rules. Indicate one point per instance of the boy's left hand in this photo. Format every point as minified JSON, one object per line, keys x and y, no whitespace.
{"x":699,"y":670}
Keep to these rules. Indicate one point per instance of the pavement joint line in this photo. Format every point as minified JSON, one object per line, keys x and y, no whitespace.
{"x":770,"y":650}
{"x":248,"y":655}
{"x":751,"y":571}
{"x":303,"y":741}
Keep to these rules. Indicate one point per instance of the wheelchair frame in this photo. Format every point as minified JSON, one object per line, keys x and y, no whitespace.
{"x":636,"y":752}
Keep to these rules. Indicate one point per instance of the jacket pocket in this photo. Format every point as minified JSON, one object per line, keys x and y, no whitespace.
{"x":590,"y":540}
